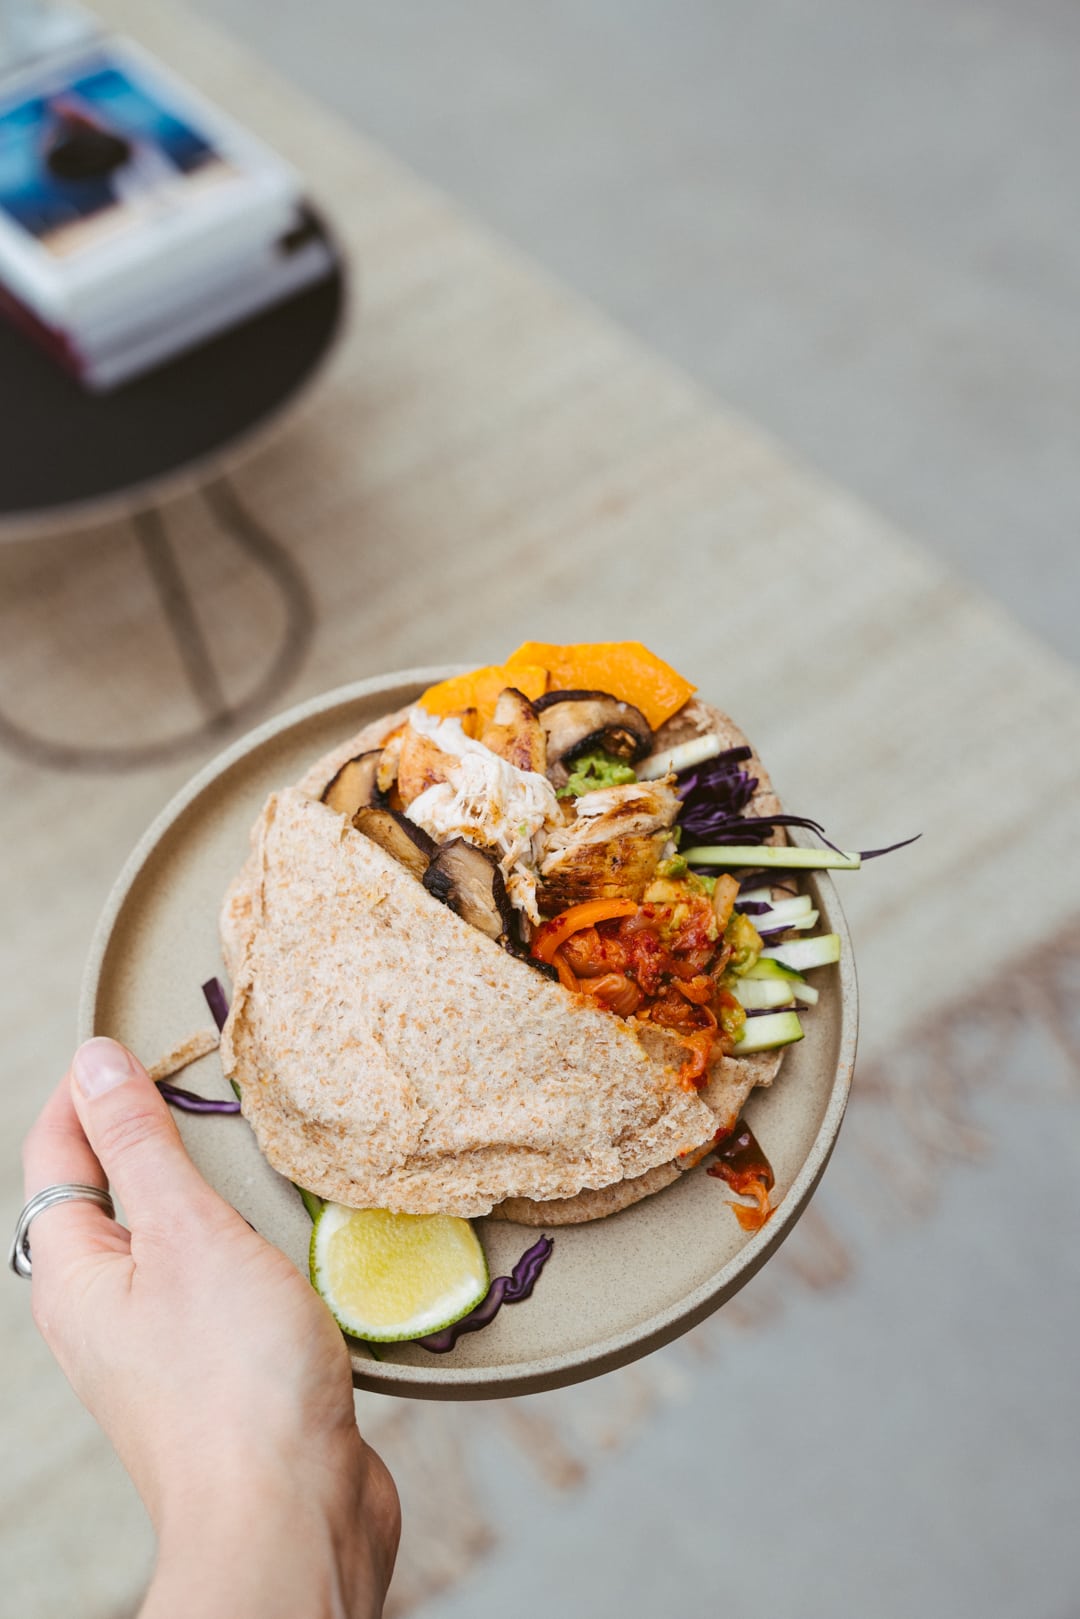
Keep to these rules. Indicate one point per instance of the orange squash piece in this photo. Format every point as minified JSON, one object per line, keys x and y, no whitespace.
{"x":626,"y":669}
{"x":480,"y":689}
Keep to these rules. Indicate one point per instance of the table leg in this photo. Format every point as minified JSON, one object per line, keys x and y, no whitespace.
{"x":176,"y":604}
{"x":266,"y":552}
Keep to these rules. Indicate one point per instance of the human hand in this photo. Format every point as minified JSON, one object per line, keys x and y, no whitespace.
{"x":209,"y":1361}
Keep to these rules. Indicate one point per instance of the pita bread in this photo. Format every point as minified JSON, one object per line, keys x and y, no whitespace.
{"x":391,"y":1056}
{"x":506,"y":1092}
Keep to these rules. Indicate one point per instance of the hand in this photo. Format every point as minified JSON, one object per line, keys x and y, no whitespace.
{"x":212,"y":1365}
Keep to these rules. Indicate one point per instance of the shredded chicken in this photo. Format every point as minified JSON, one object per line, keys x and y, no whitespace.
{"x":476,"y":795}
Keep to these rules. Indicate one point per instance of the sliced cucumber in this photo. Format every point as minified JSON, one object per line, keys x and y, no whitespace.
{"x":680,"y":757}
{"x":780,"y":917}
{"x":802,"y":954}
{"x":801,"y":905}
{"x":768,"y":967}
{"x":755,"y":896}
{"x":765,"y":924}
{"x":758,"y":993}
{"x":766,"y":854}
{"x":766,"y":1033}
{"x":805,"y":994}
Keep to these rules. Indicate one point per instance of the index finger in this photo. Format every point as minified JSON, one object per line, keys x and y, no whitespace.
{"x":56,"y":1151}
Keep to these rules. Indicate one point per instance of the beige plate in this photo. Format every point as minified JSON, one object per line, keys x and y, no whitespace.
{"x":613,"y":1289}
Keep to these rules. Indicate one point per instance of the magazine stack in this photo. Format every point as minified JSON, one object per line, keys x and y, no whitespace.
{"x":136,"y":220}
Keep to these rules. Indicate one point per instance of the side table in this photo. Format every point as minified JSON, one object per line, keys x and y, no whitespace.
{"x":69,"y":458}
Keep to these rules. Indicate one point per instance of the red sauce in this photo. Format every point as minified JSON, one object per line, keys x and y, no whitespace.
{"x":661,"y":970}
{"x":741,"y":1162}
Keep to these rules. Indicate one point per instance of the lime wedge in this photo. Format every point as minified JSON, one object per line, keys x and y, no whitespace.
{"x":389,"y":1276}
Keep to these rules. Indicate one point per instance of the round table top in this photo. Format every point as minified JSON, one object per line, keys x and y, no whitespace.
{"x":66,"y":453}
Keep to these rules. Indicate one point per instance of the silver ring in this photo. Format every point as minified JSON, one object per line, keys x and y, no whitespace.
{"x":19,"y":1257}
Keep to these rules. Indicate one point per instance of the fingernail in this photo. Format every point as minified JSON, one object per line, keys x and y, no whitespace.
{"x":100,"y":1065}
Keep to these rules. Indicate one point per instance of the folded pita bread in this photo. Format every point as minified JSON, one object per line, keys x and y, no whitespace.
{"x":389,"y":1055}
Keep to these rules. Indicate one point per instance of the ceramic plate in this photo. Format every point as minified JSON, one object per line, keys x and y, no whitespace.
{"x":613,"y":1289}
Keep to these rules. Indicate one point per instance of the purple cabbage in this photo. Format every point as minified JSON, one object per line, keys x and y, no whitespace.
{"x":872,"y":854}
{"x":714,"y":791}
{"x":188,"y":1102}
{"x":510,"y":1289}
{"x":716,"y":795}
{"x":788,"y":880}
{"x":216,"y":1000}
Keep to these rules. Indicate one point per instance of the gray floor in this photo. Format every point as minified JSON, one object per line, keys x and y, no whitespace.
{"x":855,"y":219}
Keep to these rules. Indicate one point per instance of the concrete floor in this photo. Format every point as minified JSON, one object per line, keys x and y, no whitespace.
{"x":855,"y":220}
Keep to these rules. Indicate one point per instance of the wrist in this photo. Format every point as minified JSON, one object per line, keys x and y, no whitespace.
{"x":265,"y":1540}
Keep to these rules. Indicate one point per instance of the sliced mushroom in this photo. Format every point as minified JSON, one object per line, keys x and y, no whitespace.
{"x":469,"y":881}
{"x":354,"y":786}
{"x":406,"y":842}
{"x":515,"y":732}
{"x":575,"y":721}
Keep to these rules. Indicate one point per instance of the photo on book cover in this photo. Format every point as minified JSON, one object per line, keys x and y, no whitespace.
{"x":92,"y":151}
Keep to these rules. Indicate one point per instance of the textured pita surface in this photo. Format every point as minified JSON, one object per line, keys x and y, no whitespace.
{"x":390,"y":1055}
{"x":181,"y":1056}
{"x":730,"y":1082}
{"x":235,"y":921}
{"x":731,"y":1079}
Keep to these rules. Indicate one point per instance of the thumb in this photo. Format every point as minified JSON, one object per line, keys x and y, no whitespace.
{"x":130,"y":1128}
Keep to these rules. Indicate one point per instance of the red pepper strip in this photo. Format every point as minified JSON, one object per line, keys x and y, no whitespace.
{"x":699,"y":989}
{"x":752,"y":1219}
{"x":586,"y":915}
{"x":698,"y":1046}
{"x":566,"y":975}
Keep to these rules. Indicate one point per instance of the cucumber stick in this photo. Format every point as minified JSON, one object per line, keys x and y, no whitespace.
{"x":783,"y":912}
{"x":681,"y":757}
{"x":786,"y":858}
{"x":802,"y":954}
{"x":758,"y":994}
{"x":768,"y":1032}
{"x":767,"y":967}
{"x":770,"y":971}
{"x":771,"y":923}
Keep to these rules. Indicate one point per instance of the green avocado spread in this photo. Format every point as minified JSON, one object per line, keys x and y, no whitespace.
{"x":596,"y":769}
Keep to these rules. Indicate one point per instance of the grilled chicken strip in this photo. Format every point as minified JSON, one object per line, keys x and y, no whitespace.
{"x":612,"y":846}
{"x":516,"y":734}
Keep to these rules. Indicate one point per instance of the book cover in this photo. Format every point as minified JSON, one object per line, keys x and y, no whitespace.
{"x":113,"y":175}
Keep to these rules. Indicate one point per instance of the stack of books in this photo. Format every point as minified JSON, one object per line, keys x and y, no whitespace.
{"x":136,"y":220}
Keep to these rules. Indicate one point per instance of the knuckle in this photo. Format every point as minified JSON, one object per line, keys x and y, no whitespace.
{"x":128,"y":1134}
